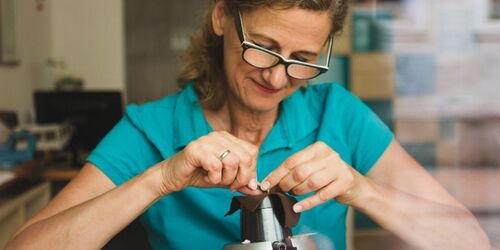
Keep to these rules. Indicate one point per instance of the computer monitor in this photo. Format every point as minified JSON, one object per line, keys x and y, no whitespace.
{"x":91,"y":113}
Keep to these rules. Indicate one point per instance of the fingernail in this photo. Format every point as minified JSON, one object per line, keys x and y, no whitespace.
{"x":297,"y":208}
{"x":253,"y":184}
{"x":265,"y":185}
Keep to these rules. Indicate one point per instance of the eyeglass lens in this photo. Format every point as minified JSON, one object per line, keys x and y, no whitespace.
{"x":262,"y":59}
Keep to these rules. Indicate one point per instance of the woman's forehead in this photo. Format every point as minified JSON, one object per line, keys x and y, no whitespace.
{"x":297,"y":26}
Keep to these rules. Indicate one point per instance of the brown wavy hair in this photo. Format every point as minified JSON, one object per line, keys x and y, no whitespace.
{"x":203,"y":60}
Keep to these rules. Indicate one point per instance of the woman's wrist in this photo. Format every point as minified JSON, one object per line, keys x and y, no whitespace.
{"x":152,"y":180}
{"x":366,"y":196}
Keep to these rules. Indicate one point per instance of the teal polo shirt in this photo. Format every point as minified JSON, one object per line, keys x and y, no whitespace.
{"x":194,"y":218}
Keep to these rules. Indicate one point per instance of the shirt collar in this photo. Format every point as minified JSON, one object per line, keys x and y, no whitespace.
{"x":294,"y":122}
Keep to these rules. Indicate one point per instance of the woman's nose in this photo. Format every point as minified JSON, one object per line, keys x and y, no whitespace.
{"x":276,"y":76}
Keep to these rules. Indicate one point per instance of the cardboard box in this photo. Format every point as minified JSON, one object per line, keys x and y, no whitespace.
{"x":372,"y":75}
{"x":342,"y":42}
{"x":417,"y":131}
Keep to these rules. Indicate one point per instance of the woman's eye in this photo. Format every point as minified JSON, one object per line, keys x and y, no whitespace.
{"x":302,"y":59}
{"x":263,"y":46}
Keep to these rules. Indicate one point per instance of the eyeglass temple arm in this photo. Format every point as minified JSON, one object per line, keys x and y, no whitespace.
{"x":329,"y":53}
{"x":239,"y":26}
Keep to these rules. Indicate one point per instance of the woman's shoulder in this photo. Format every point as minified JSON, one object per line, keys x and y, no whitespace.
{"x":150,"y":114}
{"x":161,"y":107}
{"x":325,"y":90}
{"x":330,"y":95}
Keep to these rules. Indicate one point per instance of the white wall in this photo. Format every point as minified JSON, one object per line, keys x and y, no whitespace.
{"x":88,"y":36}
{"x":33,"y":44}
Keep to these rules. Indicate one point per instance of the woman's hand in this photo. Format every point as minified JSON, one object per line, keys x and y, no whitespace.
{"x":318,"y":169}
{"x":203,"y":163}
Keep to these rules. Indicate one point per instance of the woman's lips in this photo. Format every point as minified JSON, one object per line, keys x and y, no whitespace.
{"x":265,"y":89}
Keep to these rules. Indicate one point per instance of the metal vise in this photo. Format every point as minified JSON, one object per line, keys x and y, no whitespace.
{"x":263,"y":229}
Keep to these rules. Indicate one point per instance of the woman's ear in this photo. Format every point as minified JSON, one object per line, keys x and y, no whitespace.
{"x":219,"y":17}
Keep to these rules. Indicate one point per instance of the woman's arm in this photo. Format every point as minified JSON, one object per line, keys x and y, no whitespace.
{"x":88,"y":212}
{"x":397,"y":193}
{"x":91,"y":210}
{"x":403,"y":198}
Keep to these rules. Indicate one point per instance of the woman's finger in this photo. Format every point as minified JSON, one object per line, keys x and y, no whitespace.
{"x":299,"y":174}
{"x":288,"y":165}
{"x":246,"y":174}
{"x":246,"y":177}
{"x":315,"y":181}
{"x":247,"y":154}
{"x":230,"y":168}
{"x":325,"y":194}
{"x":213,"y":166}
{"x":199,"y":155}
{"x":236,"y":160}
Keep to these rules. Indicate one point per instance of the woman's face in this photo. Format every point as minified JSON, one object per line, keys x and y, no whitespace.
{"x":294,"y":33}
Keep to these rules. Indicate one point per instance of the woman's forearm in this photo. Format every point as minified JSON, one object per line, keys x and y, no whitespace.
{"x":92,"y":224}
{"x":420,"y":222}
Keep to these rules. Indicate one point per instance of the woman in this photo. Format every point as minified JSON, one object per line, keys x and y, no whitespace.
{"x":245,"y":113}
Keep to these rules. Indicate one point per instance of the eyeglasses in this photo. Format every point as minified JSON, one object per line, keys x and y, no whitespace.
{"x":263,"y":58}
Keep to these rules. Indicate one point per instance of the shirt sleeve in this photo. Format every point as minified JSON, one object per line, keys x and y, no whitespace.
{"x":364,"y":132}
{"x":125,"y":151}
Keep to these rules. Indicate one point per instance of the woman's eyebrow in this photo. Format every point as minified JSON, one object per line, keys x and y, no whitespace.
{"x":275,"y":43}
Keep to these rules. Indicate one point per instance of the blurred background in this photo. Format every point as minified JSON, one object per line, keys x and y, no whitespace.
{"x":429,"y":69}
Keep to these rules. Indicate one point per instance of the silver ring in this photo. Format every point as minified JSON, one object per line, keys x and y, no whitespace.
{"x":224,"y":154}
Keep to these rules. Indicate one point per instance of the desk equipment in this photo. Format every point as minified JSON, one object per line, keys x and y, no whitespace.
{"x":50,"y":137}
{"x":10,"y":153}
{"x":15,"y":146}
{"x":91,"y":114}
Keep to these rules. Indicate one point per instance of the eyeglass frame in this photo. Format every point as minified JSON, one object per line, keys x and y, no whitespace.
{"x":281,"y":59}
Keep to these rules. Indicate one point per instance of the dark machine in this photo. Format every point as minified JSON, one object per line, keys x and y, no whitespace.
{"x":266,"y":223}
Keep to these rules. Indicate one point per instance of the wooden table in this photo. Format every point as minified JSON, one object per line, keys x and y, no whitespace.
{"x":59,"y":174}
{"x":27,"y":170}
{"x":37,"y":170}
